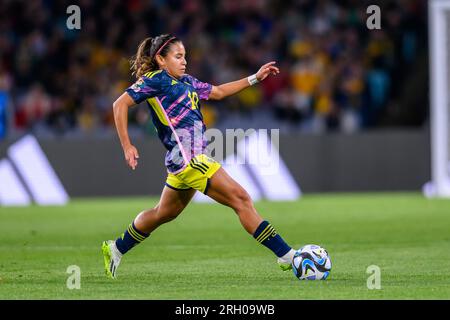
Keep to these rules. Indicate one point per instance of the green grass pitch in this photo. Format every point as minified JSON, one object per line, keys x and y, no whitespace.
{"x":206,"y":254}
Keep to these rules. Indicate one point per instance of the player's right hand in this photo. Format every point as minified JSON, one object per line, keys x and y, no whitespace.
{"x":131,"y":156}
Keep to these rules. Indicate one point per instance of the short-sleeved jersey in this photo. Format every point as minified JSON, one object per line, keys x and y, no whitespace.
{"x":175,"y":108}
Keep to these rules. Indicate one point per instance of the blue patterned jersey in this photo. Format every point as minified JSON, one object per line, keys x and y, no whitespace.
{"x":175,"y":108}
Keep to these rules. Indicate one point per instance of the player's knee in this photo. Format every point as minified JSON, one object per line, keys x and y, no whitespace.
{"x":169,"y":214}
{"x":241,"y":200}
{"x":166,"y":217}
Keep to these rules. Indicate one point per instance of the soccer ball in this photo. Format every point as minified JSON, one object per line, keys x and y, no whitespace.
{"x":311,"y":262}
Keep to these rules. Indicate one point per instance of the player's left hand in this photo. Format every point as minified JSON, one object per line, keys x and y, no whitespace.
{"x":265,"y":70}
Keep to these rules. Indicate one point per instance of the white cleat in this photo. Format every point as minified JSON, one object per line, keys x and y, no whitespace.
{"x":285,"y":262}
{"x":111,"y":256}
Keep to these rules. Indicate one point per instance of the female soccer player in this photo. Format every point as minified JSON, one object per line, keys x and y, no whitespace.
{"x":173,"y":97}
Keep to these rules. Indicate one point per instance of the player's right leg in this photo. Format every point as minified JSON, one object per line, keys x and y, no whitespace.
{"x":225,"y":190}
{"x":171,"y":204}
{"x":207,"y":176}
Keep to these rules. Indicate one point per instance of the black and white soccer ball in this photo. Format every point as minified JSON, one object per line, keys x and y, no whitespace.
{"x":311,"y":262}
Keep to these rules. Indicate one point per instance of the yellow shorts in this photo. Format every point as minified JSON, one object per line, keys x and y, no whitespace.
{"x":195,"y":176}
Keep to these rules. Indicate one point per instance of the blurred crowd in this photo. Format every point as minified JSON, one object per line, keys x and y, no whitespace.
{"x":336,"y":74}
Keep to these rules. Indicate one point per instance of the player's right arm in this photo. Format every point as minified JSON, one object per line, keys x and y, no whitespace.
{"x":145,"y":87}
{"x":120,"y":107}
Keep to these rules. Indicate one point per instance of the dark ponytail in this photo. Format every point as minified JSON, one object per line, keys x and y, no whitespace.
{"x":144,"y":60}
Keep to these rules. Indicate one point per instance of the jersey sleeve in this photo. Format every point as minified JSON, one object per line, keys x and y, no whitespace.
{"x":203,"y":89}
{"x":144,"y":88}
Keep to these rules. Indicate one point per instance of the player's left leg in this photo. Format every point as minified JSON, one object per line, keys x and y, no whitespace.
{"x":227,"y":191}
{"x":171,"y":204}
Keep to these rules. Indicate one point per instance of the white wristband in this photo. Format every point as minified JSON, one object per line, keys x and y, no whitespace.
{"x":252,"y":79}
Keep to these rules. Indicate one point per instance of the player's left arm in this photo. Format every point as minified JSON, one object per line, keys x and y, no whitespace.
{"x":230,"y":88}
